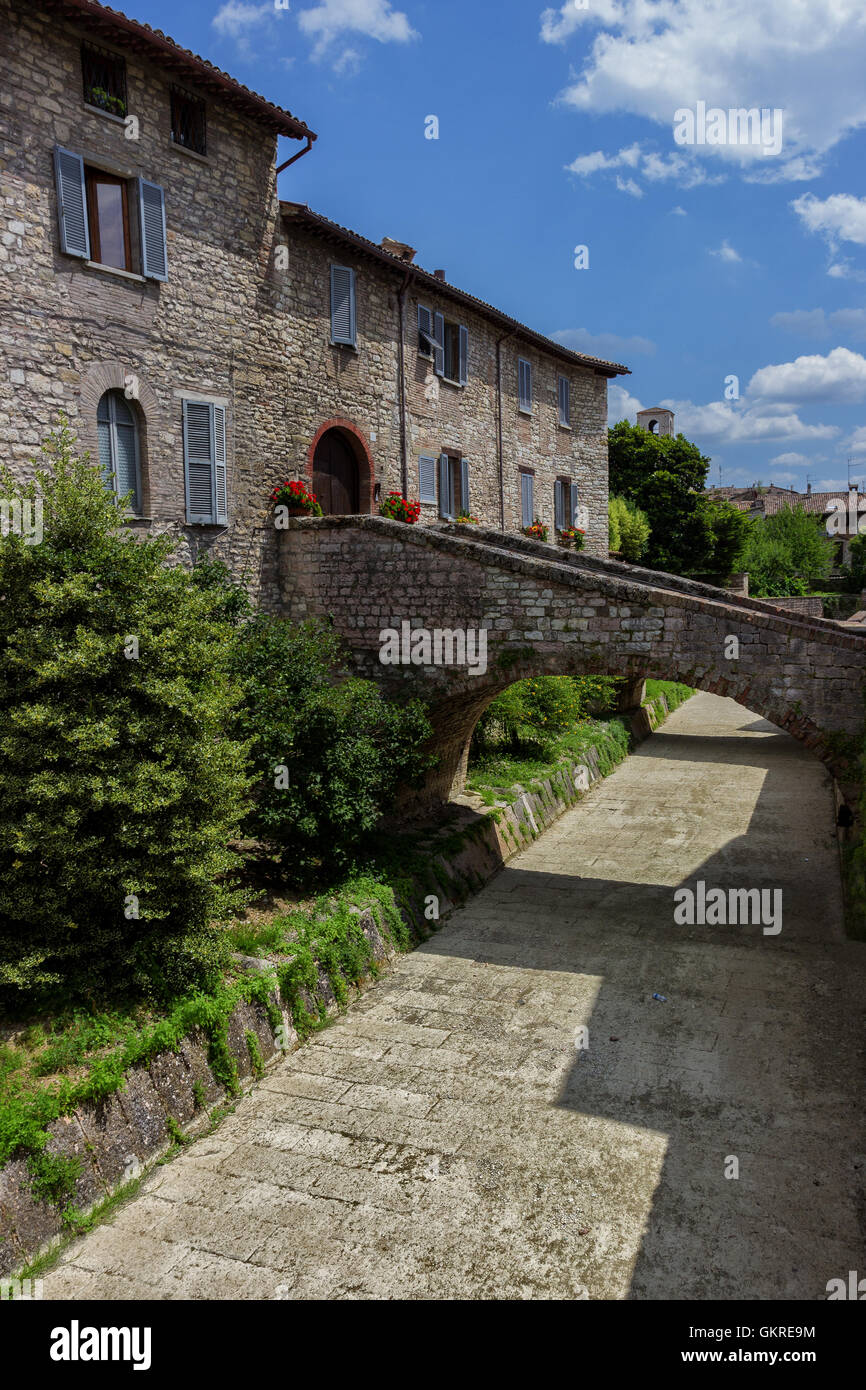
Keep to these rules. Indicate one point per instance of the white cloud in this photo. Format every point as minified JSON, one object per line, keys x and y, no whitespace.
{"x":236,"y":19}
{"x":815,"y":323}
{"x":646,"y":163}
{"x":629,"y":186}
{"x":742,"y":423}
{"x":620,"y":404}
{"x":726,"y":252}
{"x":651,"y":58}
{"x":610,"y":346}
{"x":678,"y":211}
{"x":375,"y":19}
{"x":841,"y":217}
{"x":838,"y":377}
{"x":793,"y":460}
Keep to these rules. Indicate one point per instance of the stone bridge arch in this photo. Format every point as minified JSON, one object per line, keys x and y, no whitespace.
{"x":552,"y":612}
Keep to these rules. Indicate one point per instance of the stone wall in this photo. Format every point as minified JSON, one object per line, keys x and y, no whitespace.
{"x":808,"y":605}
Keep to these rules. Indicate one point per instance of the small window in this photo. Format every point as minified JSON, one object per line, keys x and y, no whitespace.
{"x":453,"y":486}
{"x":446,"y":342}
{"x":204,"y":453}
{"x":104,"y":77}
{"x":426,"y":478}
{"x":524,"y":385}
{"x":108,"y":218}
{"x":563,"y":401}
{"x":343,"y":305}
{"x":188,"y":125}
{"x":564,"y":503}
{"x":117,"y":440}
{"x":527,"y":499}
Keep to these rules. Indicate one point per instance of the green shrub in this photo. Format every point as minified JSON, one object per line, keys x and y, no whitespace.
{"x":328,"y":754}
{"x":531,"y":712}
{"x":788,"y":553}
{"x":629,"y":528}
{"x":121,"y":781}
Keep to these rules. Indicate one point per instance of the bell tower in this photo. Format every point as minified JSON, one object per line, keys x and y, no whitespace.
{"x":656,"y":420}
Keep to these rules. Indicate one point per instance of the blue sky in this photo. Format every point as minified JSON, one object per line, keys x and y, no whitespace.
{"x":557,"y":129}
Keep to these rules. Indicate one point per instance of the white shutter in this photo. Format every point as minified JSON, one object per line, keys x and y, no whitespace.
{"x":71,"y":203}
{"x":198,"y":462}
{"x":446,"y":508}
{"x":559,"y":504}
{"x":426,"y":478}
{"x":151,"y":203}
{"x":573,"y":490}
{"x":439,"y":344}
{"x":219,"y":438}
{"x":464,"y":485}
{"x":463,"y":370}
{"x":425,"y":329}
{"x":342,"y":305}
{"x":564,"y":404}
{"x":527,"y":502}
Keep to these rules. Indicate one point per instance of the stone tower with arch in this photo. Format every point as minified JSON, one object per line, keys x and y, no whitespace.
{"x":657,"y":420}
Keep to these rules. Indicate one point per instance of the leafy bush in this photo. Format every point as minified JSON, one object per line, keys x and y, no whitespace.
{"x":629,"y":527}
{"x":530,"y":713}
{"x":121,"y":781}
{"x":328,"y":756}
{"x":788,"y":553}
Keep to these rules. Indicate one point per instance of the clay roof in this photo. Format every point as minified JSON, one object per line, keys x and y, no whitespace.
{"x":323,"y":226}
{"x":103,"y":22}
{"x":775,"y":499}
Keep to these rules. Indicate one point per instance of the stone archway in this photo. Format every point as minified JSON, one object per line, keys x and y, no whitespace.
{"x":340,"y":469}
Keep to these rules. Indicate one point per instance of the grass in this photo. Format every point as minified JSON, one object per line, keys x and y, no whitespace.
{"x":675,"y":693}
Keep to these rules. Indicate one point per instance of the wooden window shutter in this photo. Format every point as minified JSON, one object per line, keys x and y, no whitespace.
{"x":527,"y":501}
{"x":446,"y":507}
{"x":219,"y":436}
{"x":573,"y":490}
{"x":564,"y":405}
{"x":559,"y":504}
{"x":464,"y":485}
{"x":524,"y":384}
{"x":463,"y":369}
{"x":71,"y":203}
{"x":151,"y":204}
{"x":342,"y":305}
{"x":427,"y":478}
{"x":439,"y":344}
{"x":199,"y":461}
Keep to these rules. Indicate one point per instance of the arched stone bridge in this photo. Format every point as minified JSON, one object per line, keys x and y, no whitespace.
{"x":550,"y":611}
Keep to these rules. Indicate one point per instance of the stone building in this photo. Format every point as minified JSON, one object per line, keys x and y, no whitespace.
{"x":207,"y":341}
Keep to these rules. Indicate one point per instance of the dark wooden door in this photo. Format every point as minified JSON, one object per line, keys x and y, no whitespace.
{"x":335,"y":476}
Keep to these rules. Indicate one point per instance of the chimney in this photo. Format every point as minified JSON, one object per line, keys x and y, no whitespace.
{"x":440,"y":274}
{"x":400,"y":249}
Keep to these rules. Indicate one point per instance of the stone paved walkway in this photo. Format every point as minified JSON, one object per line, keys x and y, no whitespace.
{"x":447,"y":1139}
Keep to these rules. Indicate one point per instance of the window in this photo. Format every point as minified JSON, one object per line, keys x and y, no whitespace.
{"x":117,"y":439}
{"x":524,"y":385}
{"x":453,"y":485}
{"x":104,"y":77}
{"x":565,"y":494}
{"x":427,"y":478}
{"x":446,"y":343}
{"x":108,"y":218}
{"x":93,"y":209}
{"x":188,"y":126}
{"x":204,"y":456}
{"x":527,"y":499}
{"x":342,"y":305}
{"x":563,"y":393}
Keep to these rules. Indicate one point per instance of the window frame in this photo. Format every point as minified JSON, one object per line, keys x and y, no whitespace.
{"x":93,"y":176}
{"x":565,"y":381}
{"x":524,"y":409}
{"x":177,"y":95}
{"x":521,"y":474}
{"x":137,"y":507}
{"x":88,"y":89}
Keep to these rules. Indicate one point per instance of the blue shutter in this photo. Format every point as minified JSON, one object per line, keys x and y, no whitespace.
{"x":464,"y":485}
{"x":527,"y":504}
{"x":439,"y":347}
{"x":426,"y":478}
{"x":71,"y":203}
{"x":198,"y":462}
{"x":524,"y":384}
{"x":573,"y":498}
{"x":425,"y":330}
{"x":564,"y":404}
{"x":463,"y":369}
{"x":219,"y":438}
{"x":151,"y":203}
{"x":445,"y":505}
{"x":342,"y":305}
{"x":125,"y":450}
{"x":559,"y":504}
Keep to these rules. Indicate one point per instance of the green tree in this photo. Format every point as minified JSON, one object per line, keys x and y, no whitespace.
{"x":121,"y":780}
{"x":629,"y":528}
{"x":328,"y":753}
{"x":665,"y":477}
{"x":788,"y":553}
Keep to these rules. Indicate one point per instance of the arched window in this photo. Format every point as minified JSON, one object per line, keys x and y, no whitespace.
{"x":117,"y":432}
{"x":653,"y":426}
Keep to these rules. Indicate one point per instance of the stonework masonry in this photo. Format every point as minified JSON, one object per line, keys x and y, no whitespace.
{"x":242,"y":321}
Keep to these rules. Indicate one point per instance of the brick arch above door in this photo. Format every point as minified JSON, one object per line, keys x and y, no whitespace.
{"x":357,"y":442}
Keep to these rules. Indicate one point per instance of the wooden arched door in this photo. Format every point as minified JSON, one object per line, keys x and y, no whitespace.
{"x":335,"y":475}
